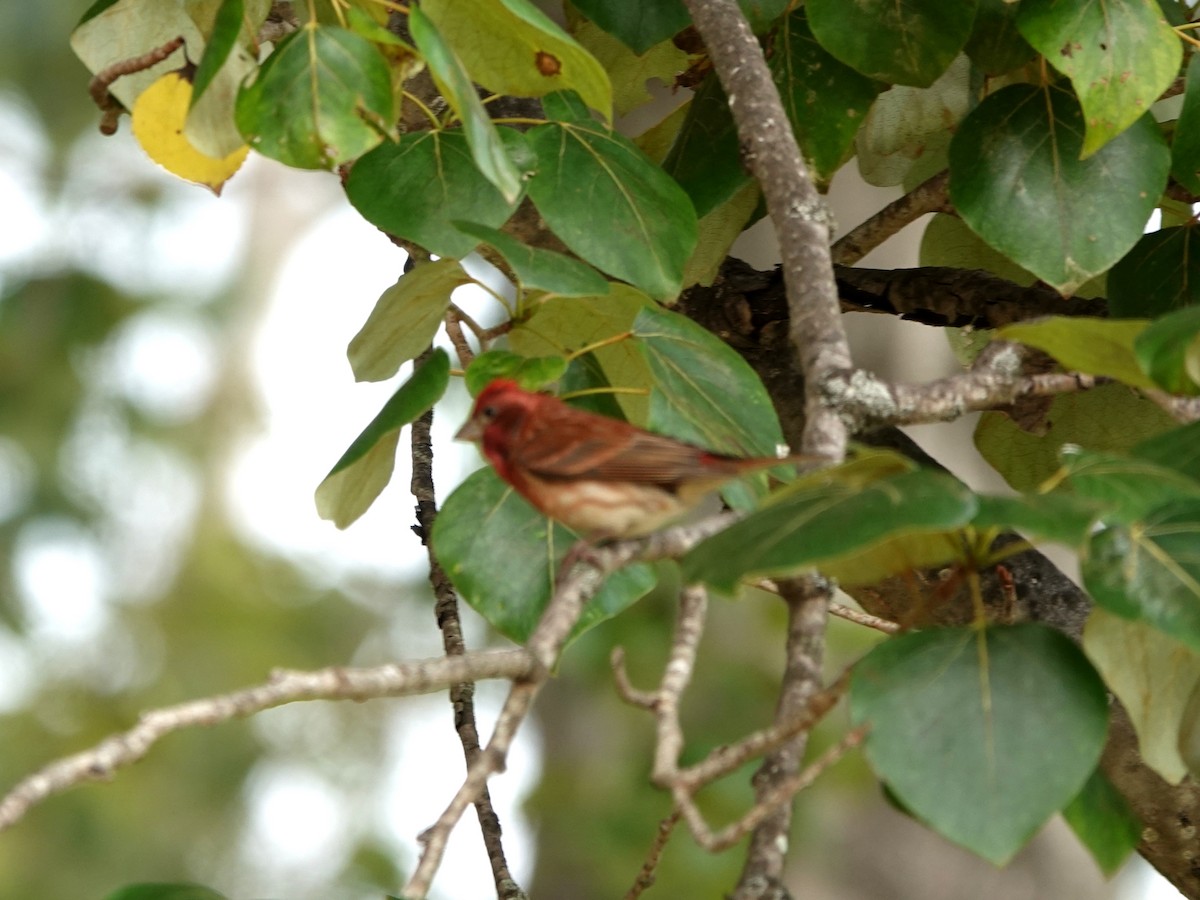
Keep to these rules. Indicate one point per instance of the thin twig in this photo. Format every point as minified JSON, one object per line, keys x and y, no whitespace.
{"x":932,"y":195}
{"x":645,"y":877}
{"x":454,"y":331}
{"x":101,"y":762}
{"x":797,"y":210}
{"x":462,"y":695}
{"x":1181,"y":409}
{"x":861,"y":618}
{"x":102,"y":81}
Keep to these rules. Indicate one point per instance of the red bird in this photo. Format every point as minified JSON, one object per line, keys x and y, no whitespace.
{"x":601,"y":477}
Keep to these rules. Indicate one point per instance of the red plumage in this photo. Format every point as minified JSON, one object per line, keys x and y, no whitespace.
{"x":601,"y":477}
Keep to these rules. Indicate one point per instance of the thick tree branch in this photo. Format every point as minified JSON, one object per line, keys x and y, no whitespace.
{"x":797,"y":211}
{"x":995,"y":380}
{"x":102,"y":762}
{"x":807,"y":601}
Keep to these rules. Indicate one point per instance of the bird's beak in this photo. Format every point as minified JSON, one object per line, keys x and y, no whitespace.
{"x":471,"y":431}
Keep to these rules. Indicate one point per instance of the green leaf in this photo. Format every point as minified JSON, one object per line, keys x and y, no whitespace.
{"x":1083,"y":344}
{"x":1149,"y":569}
{"x":1169,"y":351}
{"x":226,"y":28}
{"x":366,"y":467}
{"x":995,"y":45}
{"x":589,"y":174}
{"x":639,"y":24}
{"x":899,"y":43}
{"x":363,"y":23}
{"x":1119,"y":54}
{"x":1153,"y":676}
{"x":564,"y":325}
{"x":1062,"y":518}
{"x":531,"y":374}
{"x":1185,"y":148}
{"x":1127,"y":487}
{"x":809,"y":525}
{"x":905,"y":137}
{"x":164,"y":891}
{"x":1104,"y":823}
{"x":826,"y":101}
{"x":322,"y":98}
{"x":983,"y":735}
{"x":514,"y":48}
{"x":455,"y":85}
{"x":1111,"y":417}
{"x":541,"y":270}
{"x":417,"y":186}
{"x":1178,"y":449}
{"x":718,"y":229}
{"x":1158,"y":275}
{"x":1017,"y":180}
{"x":405,"y":319}
{"x":627,"y":70}
{"x":705,"y":393}
{"x":705,"y":158}
{"x":486,"y":528}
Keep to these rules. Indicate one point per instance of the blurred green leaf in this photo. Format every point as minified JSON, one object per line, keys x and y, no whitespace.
{"x":1017,"y":179}
{"x":639,"y":24}
{"x":366,"y":467}
{"x":531,"y":373}
{"x":486,"y":529}
{"x":1169,"y":351}
{"x":718,"y":229}
{"x":589,"y":174}
{"x":908,"y":43}
{"x":826,"y":101}
{"x":1062,"y":518}
{"x":629,"y":71}
{"x":1159,"y":274}
{"x":221,"y":41}
{"x":1149,"y":569}
{"x":1127,"y":487}
{"x":907,"y":132}
{"x":1111,"y":417}
{"x":812,"y":525}
{"x":322,"y":98}
{"x":1103,"y":821}
{"x":1153,"y":675}
{"x":1119,"y":54}
{"x":1082,"y":344}
{"x":705,"y":157}
{"x":417,"y":186}
{"x":1178,"y":449}
{"x":514,"y":48}
{"x":405,"y":318}
{"x":542,"y":270}
{"x":1185,"y":146}
{"x":163,"y":891}
{"x":996,"y":46}
{"x":982,"y":734}
{"x":456,"y":87}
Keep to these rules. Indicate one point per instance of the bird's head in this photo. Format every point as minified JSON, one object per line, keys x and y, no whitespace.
{"x":499,"y":409}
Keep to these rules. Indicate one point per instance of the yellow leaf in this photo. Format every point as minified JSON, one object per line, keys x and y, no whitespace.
{"x":158,"y":119}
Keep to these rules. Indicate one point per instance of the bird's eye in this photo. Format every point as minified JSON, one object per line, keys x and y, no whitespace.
{"x":488,"y":413}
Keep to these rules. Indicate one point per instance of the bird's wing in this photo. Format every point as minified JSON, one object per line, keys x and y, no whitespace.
{"x":570,"y":446}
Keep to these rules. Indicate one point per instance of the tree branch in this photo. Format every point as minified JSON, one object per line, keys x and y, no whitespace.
{"x":101,"y":762}
{"x":797,"y":211}
{"x":930,"y":196}
{"x":995,"y":380}
{"x":762,"y":875}
{"x":462,"y":695}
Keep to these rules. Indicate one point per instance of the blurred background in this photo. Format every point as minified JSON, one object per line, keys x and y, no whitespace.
{"x":173,"y":386}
